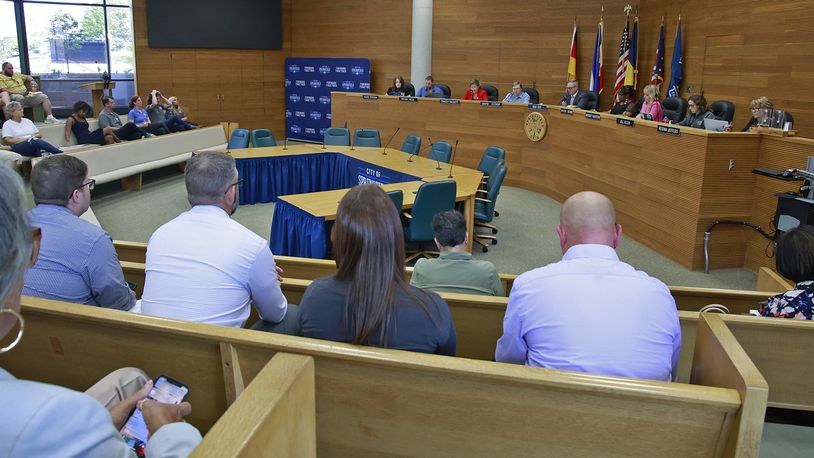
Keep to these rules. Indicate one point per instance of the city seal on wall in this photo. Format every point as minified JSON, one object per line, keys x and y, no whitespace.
{"x":535,"y":126}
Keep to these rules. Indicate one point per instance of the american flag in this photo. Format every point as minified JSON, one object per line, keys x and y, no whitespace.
{"x":624,"y":57}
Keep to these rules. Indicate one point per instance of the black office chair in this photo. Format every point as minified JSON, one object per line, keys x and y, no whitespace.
{"x":491,"y":92}
{"x":638,"y":106}
{"x":723,"y":110}
{"x":445,"y":88}
{"x":588,"y":100}
{"x":409,"y":89}
{"x":534,"y":96}
{"x":674,"y":109}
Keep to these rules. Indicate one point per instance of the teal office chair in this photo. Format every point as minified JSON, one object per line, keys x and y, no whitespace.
{"x":441,"y":151}
{"x":262,"y":138}
{"x":432,"y":198}
{"x":485,"y":207}
{"x":239,"y":139}
{"x":338,"y":136}
{"x":492,"y":156}
{"x":367,"y":137}
{"x":411,"y":144}
{"x":398,"y":199}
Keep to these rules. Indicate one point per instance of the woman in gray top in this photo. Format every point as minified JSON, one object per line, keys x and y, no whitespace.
{"x":697,"y":106}
{"x":368,"y":301}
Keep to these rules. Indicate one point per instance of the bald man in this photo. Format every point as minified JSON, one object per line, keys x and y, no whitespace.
{"x":591,"y":312}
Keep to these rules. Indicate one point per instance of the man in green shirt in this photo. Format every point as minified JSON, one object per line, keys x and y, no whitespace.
{"x":454,"y":271}
{"x":16,"y":87}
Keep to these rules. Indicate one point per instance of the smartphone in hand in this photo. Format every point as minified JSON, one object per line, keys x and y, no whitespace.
{"x":166,"y":390}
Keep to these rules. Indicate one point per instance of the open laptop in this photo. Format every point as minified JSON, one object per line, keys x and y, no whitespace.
{"x":714,"y":124}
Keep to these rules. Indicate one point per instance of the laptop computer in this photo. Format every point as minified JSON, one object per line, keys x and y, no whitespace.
{"x":715,"y":125}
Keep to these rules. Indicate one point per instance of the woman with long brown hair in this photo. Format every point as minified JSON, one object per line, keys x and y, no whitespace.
{"x":368,"y":301}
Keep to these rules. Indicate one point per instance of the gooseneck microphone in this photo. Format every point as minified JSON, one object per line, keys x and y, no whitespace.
{"x":350,"y":137}
{"x":285,"y":143}
{"x":410,"y":159}
{"x":229,"y":133}
{"x":384,"y":152}
{"x":452,"y":161}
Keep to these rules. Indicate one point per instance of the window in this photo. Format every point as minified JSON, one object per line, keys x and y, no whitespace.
{"x":69,"y":43}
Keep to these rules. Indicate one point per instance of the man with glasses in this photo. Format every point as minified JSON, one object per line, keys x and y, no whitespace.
{"x":572,"y":94}
{"x":203,"y":266}
{"x":77,"y":261}
{"x":517,"y":95}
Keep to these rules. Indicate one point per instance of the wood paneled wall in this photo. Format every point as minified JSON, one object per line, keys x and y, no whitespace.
{"x":250,"y":81}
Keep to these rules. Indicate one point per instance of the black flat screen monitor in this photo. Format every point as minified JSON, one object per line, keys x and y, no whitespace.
{"x":233,"y":24}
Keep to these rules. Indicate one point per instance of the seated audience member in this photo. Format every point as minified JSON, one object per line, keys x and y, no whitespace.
{"x":475,"y":92}
{"x":756,"y":106}
{"x":77,"y":260}
{"x":368,"y":302}
{"x":429,"y":87}
{"x":623,"y":98}
{"x":398,"y":88}
{"x":138,"y":116}
{"x":517,"y":95}
{"x":78,"y":124}
{"x":572,"y":94}
{"x":591,"y":312}
{"x":158,"y":115}
{"x":21,"y":88}
{"x":651,"y":105}
{"x":794,"y":258}
{"x":204,"y":266}
{"x":22,"y":135}
{"x":455,"y":271}
{"x":48,"y":420}
{"x":697,"y":112}
{"x":109,"y":118}
{"x":9,"y":158}
{"x":174,"y":108}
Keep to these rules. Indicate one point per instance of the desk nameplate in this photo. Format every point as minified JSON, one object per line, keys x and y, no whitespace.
{"x":537,"y":106}
{"x":491,"y":104}
{"x":370,"y":97}
{"x":408,"y":99}
{"x":567,"y":111}
{"x":594,"y":116}
{"x":450,"y":101}
{"x":625,"y":122}
{"x":669,"y":130}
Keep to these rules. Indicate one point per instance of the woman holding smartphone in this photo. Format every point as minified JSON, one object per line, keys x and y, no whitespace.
{"x":47,"y":420}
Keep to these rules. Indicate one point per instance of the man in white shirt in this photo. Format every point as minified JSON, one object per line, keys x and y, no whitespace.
{"x":591,"y":312}
{"x":205,"y":267}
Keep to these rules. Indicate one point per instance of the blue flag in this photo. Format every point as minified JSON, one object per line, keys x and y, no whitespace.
{"x":597,"y":78}
{"x":677,"y":67}
{"x":657,"y":76}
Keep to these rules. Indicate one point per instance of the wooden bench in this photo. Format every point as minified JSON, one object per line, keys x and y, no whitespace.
{"x":373,"y":401}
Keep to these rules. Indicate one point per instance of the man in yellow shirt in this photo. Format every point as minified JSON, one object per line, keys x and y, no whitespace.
{"x":13,"y":88}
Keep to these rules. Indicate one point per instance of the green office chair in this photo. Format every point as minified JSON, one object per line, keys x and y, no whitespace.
{"x":367,"y":137}
{"x":262,"y":138}
{"x":398,"y":199}
{"x":431,"y":198}
{"x":441,"y":151}
{"x":485,"y":207}
{"x":239,"y":139}
{"x":338,"y":136}
{"x":492,"y":156}
{"x":411,"y":144}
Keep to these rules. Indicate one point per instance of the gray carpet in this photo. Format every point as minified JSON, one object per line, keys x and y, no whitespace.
{"x":527,"y":237}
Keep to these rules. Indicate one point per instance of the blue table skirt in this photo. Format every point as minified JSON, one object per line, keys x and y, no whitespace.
{"x":266,"y":178}
{"x":295,"y":232}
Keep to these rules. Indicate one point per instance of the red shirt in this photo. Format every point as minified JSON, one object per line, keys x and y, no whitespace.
{"x":480,"y":96}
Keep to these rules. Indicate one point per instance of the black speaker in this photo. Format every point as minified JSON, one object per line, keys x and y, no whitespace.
{"x":792,"y":211}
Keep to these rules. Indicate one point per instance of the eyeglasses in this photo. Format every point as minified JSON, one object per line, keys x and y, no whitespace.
{"x":236,"y":183}
{"x":36,"y":237}
{"x":90,"y":184}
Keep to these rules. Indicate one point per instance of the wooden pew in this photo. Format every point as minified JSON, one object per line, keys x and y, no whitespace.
{"x":132,"y":256}
{"x":385,"y":402}
{"x":769,"y":280}
{"x":274,"y":416}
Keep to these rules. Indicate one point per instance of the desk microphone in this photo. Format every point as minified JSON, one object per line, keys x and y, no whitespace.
{"x":285,"y":143}
{"x":410,"y":159}
{"x":384,"y":152}
{"x":229,"y":132}
{"x":452,"y":161}
{"x":350,"y":138}
{"x":323,"y":141}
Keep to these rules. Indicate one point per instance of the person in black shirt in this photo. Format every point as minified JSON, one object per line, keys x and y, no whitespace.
{"x":623,"y":98}
{"x":368,"y":301}
{"x":399,"y":88}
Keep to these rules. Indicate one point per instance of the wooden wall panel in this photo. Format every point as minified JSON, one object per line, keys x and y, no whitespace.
{"x":251,"y":81}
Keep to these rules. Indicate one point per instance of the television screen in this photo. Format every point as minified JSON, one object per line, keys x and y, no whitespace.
{"x":248,"y":24}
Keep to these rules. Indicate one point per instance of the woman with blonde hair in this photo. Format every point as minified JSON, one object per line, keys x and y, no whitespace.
{"x":756,"y":106}
{"x":368,"y":301}
{"x":651,"y":105}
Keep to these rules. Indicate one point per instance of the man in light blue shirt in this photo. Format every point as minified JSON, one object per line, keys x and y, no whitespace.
{"x":77,"y":261}
{"x":429,"y":87}
{"x":517,"y":95}
{"x":591,"y":312}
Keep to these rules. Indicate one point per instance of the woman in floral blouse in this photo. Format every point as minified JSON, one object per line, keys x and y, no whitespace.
{"x":795,"y":261}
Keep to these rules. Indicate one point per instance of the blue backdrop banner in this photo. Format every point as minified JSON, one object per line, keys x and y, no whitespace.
{"x":308,"y":85}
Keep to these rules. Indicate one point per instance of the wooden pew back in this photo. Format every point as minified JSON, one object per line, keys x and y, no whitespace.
{"x":374,"y":402}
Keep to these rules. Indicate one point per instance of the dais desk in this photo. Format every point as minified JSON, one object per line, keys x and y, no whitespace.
{"x":321,"y":177}
{"x":667,"y":186}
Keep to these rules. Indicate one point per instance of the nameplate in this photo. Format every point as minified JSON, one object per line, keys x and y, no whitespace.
{"x":625,"y":122}
{"x":594,"y":116}
{"x":370,"y":97}
{"x":537,"y":106}
{"x":491,"y":104}
{"x":669,"y":130}
{"x":408,"y":99}
{"x":451,"y":101}
{"x":567,"y":111}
